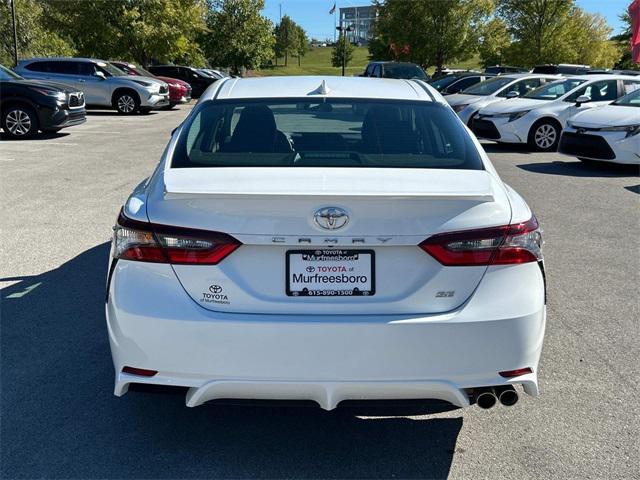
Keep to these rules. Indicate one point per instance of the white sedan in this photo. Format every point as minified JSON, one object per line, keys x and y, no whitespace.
{"x":610,"y":133}
{"x":326,"y":239}
{"x":539,"y":117}
{"x":468,"y":102}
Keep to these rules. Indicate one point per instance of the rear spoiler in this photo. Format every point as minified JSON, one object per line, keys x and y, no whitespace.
{"x":469,"y":185}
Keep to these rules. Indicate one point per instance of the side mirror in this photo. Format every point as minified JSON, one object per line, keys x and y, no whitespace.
{"x":582,"y":99}
{"x":513,"y":94}
{"x":101,"y":75}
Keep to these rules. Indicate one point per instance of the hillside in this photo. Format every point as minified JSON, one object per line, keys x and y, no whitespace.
{"x":318,"y":62}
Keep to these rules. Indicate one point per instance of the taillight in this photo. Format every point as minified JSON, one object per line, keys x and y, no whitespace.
{"x":147,"y":242}
{"x":505,"y":245}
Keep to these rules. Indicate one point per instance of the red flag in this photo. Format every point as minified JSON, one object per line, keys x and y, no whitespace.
{"x":634,"y":13}
{"x":333,"y":9}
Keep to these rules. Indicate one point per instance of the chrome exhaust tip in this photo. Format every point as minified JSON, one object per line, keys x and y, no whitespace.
{"x":486,"y":399}
{"x":508,"y":396}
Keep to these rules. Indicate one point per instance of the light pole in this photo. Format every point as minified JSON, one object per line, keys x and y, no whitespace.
{"x":343,"y":31}
{"x":15,"y":32}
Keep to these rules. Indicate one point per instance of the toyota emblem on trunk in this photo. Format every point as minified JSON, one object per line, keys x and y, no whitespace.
{"x":331,"y":218}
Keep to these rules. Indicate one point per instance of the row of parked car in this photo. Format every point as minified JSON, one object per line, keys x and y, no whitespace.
{"x":48,"y":94}
{"x":587,"y":116}
{"x":582,"y":112}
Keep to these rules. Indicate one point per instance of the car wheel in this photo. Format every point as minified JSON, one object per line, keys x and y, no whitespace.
{"x":544,"y":136}
{"x":127,"y":103}
{"x":20,"y":122}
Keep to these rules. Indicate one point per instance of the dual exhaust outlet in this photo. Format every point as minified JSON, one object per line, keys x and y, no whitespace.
{"x":487,"y":397}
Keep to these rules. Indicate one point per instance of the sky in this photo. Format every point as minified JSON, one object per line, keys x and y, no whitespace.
{"x":314,"y":16}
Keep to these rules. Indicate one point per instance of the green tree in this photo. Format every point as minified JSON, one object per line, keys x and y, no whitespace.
{"x":285,"y":39}
{"x":622,"y":42}
{"x":432,"y":32}
{"x":239,"y":36}
{"x":342,"y":51}
{"x":588,"y":35}
{"x":140,"y":30}
{"x":302,"y":43}
{"x":35,"y":37}
{"x":494,"y":42}
{"x":537,"y":27}
{"x":555,"y":31}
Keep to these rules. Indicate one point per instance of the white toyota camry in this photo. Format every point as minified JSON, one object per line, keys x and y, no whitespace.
{"x":326,"y":239}
{"x":609,"y":134}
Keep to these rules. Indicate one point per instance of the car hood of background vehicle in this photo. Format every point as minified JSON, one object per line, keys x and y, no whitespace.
{"x":462,"y":99}
{"x":45,"y":84}
{"x":173,"y":80}
{"x":513,"y":105}
{"x":608,"y":116}
{"x":138,"y":78}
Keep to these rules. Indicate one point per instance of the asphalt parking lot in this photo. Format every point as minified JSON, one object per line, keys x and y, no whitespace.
{"x":60,"y":197}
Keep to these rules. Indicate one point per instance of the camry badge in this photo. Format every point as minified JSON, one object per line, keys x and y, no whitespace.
{"x":331,"y":218}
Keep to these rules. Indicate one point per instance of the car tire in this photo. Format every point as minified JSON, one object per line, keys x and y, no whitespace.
{"x":19,"y":122}
{"x":126,"y":103}
{"x":544,"y":136}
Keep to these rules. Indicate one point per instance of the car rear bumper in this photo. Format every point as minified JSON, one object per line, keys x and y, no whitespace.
{"x":153,"y":324}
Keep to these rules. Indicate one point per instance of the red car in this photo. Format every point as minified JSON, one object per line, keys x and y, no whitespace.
{"x":179,"y":90}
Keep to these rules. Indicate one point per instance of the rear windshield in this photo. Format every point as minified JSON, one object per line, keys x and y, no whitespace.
{"x":325,"y":133}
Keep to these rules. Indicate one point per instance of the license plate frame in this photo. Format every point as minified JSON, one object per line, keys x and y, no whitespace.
{"x":325,"y":292}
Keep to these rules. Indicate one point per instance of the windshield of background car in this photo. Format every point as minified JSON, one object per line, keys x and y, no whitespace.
{"x":143,"y":72}
{"x":402,"y":71}
{"x":554,"y":90}
{"x":325,"y":133}
{"x":6,"y":74}
{"x":630,"y":100}
{"x":110,"y":69}
{"x":488,"y":87}
{"x":444,"y":82}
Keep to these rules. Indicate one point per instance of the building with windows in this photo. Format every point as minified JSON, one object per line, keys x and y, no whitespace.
{"x":361,"y":20}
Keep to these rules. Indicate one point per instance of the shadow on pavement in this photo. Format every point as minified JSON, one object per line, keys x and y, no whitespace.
{"x":60,"y":419}
{"x":581,"y":169}
{"x":495,"y":147}
{"x":39,"y":136}
{"x":633,"y":188}
{"x":113,"y":113}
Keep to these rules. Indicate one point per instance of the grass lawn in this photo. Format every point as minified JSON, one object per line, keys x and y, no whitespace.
{"x":318,"y":62}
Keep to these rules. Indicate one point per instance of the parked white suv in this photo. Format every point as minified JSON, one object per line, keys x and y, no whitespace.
{"x":539,"y":117}
{"x":103,"y":84}
{"x":292,"y":246}
{"x":468,"y":102}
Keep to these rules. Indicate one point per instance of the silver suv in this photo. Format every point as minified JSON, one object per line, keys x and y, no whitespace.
{"x":103,"y":84}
